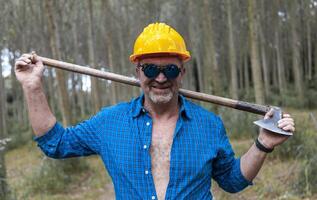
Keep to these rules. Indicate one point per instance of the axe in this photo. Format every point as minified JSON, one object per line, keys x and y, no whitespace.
{"x":269,"y":124}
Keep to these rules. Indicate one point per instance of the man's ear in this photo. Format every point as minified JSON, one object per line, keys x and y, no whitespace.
{"x":183,"y":70}
{"x":137,"y":71}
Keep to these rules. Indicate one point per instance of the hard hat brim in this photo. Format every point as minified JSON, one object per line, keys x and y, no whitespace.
{"x":135,"y":58}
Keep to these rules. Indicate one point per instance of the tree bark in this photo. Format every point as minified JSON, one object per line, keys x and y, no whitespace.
{"x":211,"y":63}
{"x":296,"y":58}
{"x":280,"y":64}
{"x":246,"y":74}
{"x":309,"y":47}
{"x":94,"y":82}
{"x":3,"y":181}
{"x":264,"y":64}
{"x":113,"y":97}
{"x":195,"y":35}
{"x":232,"y":54}
{"x":254,"y":52}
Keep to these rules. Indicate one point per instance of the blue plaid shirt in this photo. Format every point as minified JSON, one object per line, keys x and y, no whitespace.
{"x":121,"y":135}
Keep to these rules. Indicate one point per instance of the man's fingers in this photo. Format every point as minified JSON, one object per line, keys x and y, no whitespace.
{"x":286,"y":123}
{"x":286,"y":120}
{"x":269,"y":114}
{"x":289,"y":128}
{"x":21,"y":68}
{"x":30,"y":59}
{"x":25,"y":59}
{"x":26,"y":55}
{"x":36,"y":60}
{"x":286,"y":115}
{"x":20,"y":64}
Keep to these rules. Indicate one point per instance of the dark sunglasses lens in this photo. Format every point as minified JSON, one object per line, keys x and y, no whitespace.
{"x":151,"y":71}
{"x":171,"y":71}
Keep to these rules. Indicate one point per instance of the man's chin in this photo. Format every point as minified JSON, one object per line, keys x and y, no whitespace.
{"x":161,"y":98}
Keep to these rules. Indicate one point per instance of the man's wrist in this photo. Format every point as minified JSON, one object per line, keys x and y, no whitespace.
{"x":263,"y":147}
{"x":34,"y":86}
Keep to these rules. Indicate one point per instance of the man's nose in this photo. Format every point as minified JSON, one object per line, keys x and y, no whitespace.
{"x":161,"y":78}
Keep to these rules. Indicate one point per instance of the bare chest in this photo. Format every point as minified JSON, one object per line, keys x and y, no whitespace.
{"x":162,"y":139}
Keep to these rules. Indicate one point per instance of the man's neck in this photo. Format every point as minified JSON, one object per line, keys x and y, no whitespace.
{"x":162,"y":110}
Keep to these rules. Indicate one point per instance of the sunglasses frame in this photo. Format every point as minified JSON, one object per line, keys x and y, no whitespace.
{"x":161,"y":69}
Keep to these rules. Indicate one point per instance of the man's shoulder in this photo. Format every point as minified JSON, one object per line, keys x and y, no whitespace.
{"x":199,"y":112}
{"x":123,"y":108}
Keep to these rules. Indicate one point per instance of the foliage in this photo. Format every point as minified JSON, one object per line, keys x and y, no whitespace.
{"x":302,"y":144}
{"x":307,"y":181}
{"x":303,"y":147}
{"x":19,"y":136}
{"x":54,"y":176}
{"x":239,"y":124}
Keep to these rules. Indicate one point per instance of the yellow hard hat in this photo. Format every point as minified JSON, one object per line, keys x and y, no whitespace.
{"x":159,"y":39}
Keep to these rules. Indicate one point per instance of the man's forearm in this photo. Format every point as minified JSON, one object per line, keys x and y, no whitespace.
{"x":41,"y":117}
{"x":251,"y":162}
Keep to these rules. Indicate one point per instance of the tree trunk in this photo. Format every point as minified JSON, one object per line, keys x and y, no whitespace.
{"x":315,"y":61}
{"x":280,"y":64}
{"x":232,"y":54}
{"x":193,"y":26}
{"x":211,"y":63}
{"x":254,"y":52}
{"x":309,"y":49}
{"x":78,"y":94}
{"x":296,"y":58}
{"x":94,"y":82}
{"x":3,"y":181}
{"x":264,"y":64}
{"x":113,"y":97}
{"x":246,"y":74}
{"x":56,"y":53}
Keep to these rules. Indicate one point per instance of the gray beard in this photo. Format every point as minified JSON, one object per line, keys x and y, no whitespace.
{"x":162,"y":98}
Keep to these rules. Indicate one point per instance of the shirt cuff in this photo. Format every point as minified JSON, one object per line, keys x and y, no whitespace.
{"x":43,"y":139}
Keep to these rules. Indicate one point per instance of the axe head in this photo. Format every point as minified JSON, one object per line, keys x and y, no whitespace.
{"x":271,"y":123}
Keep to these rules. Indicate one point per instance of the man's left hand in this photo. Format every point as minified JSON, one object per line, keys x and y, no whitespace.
{"x":270,"y":139}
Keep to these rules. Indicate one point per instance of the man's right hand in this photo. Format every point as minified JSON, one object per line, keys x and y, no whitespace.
{"x":29,"y":70}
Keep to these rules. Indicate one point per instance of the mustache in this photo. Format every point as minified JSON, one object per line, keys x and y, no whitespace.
{"x":162,"y":84}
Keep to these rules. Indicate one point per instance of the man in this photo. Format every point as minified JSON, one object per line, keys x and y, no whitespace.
{"x":158,"y":145}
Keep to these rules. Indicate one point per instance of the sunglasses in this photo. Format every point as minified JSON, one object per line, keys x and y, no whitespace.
{"x":151,"y":71}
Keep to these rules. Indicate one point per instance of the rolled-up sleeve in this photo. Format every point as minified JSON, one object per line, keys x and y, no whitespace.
{"x":226,"y":168}
{"x":80,"y":140}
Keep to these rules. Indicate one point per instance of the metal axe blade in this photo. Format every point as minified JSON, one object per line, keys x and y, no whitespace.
{"x":271,"y":123}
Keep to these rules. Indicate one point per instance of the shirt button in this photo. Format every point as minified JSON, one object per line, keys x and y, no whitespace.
{"x":146,"y":172}
{"x":148,"y":123}
{"x":144,"y":147}
{"x":143,"y":110}
{"x":153,"y":197}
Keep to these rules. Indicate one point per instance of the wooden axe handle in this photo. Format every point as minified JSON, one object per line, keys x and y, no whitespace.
{"x":239,"y":105}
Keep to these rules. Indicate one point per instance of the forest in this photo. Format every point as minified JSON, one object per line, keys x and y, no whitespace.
{"x":259,"y":51}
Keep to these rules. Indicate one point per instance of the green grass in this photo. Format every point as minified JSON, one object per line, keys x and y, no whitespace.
{"x":22,"y":162}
